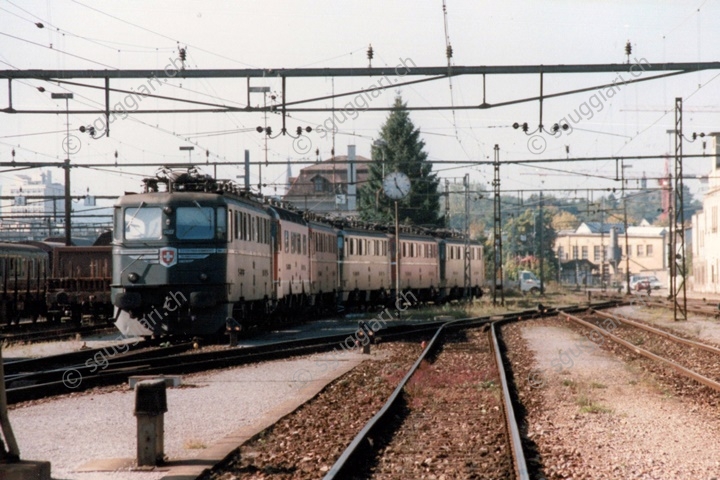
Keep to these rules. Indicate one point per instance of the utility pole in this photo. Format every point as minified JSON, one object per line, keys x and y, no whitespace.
{"x":68,"y":147}
{"x":540,"y":248}
{"x":498,"y":276}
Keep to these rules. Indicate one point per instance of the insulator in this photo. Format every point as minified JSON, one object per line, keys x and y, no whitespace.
{"x":370,"y":52}
{"x":449,"y":51}
{"x":298,"y":131}
{"x":268,"y":130}
{"x":183,"y":54}
{"x":525,"y":127}
{"x":628,"y":48}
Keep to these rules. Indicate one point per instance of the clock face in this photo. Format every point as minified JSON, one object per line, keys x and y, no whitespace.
{"x":396,"y":185}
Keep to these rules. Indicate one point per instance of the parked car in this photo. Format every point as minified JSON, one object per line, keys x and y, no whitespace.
{"x":644,"y":282}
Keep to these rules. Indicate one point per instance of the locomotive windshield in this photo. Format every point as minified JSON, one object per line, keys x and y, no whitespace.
{"x":143,"y":223}
{"x":195,"y":223}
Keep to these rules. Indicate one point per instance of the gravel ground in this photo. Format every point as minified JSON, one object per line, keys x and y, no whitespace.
{"x":455,"y":427}
{"x":75,"y":429}
{"x":305,"y":444}
{"x":698,"y":327}
{"x":44,"y":349}
{"x":591,"y":415}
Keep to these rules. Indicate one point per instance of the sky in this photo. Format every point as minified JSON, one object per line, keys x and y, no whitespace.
{"x":134,"y":34}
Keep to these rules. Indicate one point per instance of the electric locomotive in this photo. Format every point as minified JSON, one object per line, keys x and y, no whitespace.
{"x":188,"y":255}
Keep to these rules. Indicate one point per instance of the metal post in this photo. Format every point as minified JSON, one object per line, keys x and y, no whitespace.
{"x":497,"y":232}
{"x":13,"y":449}
{"x":678,"y":221}
{"x":466,"y":264}
{"x":540,"y":248}
{"x":66,"y":166}
{"x":398,"y":252}
{"x":625,"y":222}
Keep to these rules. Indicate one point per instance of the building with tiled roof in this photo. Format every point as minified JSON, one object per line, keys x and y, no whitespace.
{"x":326,"y":187}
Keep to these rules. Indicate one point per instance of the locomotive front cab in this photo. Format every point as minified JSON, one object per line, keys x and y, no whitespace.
{"x":169,"y":268}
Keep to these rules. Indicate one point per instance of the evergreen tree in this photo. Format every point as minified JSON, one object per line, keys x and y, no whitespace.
{"x":401,"y":150}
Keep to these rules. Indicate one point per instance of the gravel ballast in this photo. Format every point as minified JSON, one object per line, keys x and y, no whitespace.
{"x":73,"y":430}
{"x":592,"y":415}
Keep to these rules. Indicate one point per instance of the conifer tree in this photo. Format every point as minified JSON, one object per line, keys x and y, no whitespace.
{"x":401,"y":150}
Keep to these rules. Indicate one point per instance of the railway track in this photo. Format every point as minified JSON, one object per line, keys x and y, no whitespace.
{"x":432,"y":437}
{"x":694,"y":360}
{"x":450,"y":410}
{"x":46,"y":332}
{"x":77,"y":371}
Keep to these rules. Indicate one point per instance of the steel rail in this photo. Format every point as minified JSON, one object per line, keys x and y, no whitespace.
{"x":662,"y":333}
{"x":645,"y":353}
{"x":157,"y":362}
{"x":358,"y":447}
{"x":342,"y":468}
{"x":510,"y":419}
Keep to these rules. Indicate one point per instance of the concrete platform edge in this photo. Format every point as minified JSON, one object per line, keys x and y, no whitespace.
{"x":192,"y":468}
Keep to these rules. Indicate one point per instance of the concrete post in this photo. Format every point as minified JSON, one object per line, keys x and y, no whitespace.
{"x":150,"y":407}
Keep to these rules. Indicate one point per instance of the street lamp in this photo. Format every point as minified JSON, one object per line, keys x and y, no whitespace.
{"x":67,"y":146}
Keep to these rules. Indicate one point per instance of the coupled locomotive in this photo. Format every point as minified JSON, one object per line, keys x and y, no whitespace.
{"x":192,"y":255}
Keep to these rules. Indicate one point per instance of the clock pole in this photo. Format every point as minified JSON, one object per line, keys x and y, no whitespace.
{"x":397,"y":260}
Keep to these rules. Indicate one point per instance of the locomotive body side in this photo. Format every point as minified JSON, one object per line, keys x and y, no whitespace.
{"x":364,"y":261}
{"x":291,"y":262}
{"x":419,"y":266}
{"x":170,"y":271}
{"x":452,"y":268}
{"x":249,"y":260}
{"x":323,"y":253}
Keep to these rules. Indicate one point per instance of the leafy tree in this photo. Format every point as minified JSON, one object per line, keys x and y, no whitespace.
{"x":401,"y":150}
{"x":528,"y":237}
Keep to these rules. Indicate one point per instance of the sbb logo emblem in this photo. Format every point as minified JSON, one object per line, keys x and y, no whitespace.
{"x":168,"y":256}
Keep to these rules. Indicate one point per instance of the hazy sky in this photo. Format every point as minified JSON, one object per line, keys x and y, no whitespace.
{"x":145,"y":34}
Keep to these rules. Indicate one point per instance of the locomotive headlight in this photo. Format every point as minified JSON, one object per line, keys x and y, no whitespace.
{"x":203,"y":277}
{"x":133,"y":277}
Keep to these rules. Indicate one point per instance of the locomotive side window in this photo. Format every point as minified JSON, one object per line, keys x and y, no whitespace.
{"x":287,"y":241}
{"x":221,"y":224}
{"x":143,"y":223}
{"x":195,"y":223}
